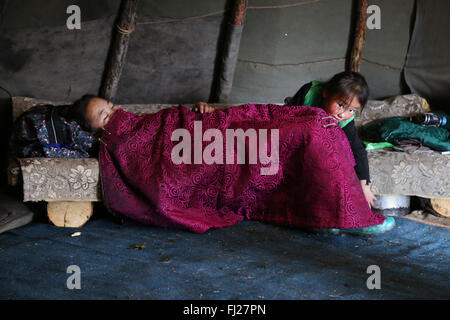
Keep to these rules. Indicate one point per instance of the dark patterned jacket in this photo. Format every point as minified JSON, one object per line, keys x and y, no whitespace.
{"x":42,"y":132}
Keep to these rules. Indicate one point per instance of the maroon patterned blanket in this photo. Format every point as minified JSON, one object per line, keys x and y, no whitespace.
{"x":282,"y":165}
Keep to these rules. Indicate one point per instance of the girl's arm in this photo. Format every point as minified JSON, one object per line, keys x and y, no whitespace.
{"x":362,"y":163}
{"x":368,"y":193}
{"x":359,"y":152}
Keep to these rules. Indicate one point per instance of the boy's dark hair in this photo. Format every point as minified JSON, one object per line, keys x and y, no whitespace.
{"x":347,"y":85}
{"x":77,"y":112}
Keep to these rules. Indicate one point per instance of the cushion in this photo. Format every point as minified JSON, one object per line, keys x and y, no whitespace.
{"x":404,"y":105}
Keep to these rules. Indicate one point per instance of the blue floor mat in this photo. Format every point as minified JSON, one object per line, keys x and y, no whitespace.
{"x":250,"y":260}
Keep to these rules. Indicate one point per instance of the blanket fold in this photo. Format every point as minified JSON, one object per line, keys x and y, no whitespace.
{"x":179,"y":169}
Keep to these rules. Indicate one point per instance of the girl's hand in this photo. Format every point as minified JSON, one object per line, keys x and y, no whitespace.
{"x":367,"y":193}
{"x":203,"y":107}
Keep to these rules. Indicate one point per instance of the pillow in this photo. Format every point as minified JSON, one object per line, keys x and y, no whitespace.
{"x":22,"y":104}
{"x":403,"y":105}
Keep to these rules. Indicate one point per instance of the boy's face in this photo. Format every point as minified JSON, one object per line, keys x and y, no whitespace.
{"x":99,"y":111}
{"x":340,"y":109}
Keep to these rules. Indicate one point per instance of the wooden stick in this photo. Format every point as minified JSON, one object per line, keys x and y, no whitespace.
{"x":359,"y":36}
{"x":123,"y":28}
{"x":69,"y":214}
{"x":232,"y":40}
{"x":441,"y":207}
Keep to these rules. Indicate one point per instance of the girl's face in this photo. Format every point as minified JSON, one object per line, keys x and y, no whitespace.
{"x":339,"y":108}
{"x":99,"y":111}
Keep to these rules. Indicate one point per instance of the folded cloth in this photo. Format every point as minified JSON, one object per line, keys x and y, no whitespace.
{"x":410,"y":145}
{"x":314,"y":186}
{"x":400,"y":128}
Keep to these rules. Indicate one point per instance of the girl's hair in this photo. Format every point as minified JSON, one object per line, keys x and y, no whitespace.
{"x":77,"y":112}
{"x":346,"y":85}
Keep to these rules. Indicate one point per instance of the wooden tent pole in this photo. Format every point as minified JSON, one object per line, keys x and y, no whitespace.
{"x":359,"y":36}
{"x":224,"y":80}
{"x":124,"y":26}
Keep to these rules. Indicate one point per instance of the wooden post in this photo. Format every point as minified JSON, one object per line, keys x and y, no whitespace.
{"x":359,"y":36}
{"x":3,"y":5}
{"x":232,"y":39}
{"x":124,"y":26}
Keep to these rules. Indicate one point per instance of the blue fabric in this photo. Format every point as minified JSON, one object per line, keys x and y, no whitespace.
{"x":31,"y":136}
{"x":250,"y":260}
{"x":58,"y":145}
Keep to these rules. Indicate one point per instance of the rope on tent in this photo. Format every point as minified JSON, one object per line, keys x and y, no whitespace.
{"x":289,"y":65}
{"x":221,"y":12}
{"x":385,"y":66}
{"x":124,"y":31}
{"x":284,"y":5}
{"x":184,"y":19}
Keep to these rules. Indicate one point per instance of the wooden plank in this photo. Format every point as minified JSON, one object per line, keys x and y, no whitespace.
{"x":228,"y":57}
{"x":124,"y":26}
{"x":441,"y":207}
{"x":69,"y":214}
{"x":359,"y":36}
